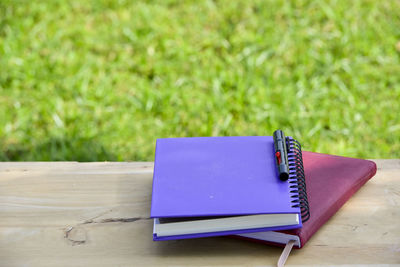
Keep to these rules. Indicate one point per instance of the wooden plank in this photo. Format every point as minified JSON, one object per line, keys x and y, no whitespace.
{"x":97,"y":214}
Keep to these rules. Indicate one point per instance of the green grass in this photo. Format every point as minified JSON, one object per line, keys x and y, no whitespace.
{"x":102,"y":80}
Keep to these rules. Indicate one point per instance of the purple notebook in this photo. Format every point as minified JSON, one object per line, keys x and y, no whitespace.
{"x":203,"y":178}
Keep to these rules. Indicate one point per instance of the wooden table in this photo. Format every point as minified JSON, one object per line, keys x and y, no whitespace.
{"x":97,"y":214}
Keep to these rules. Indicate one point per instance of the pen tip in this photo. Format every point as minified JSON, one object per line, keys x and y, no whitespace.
{"x":284,"y":176}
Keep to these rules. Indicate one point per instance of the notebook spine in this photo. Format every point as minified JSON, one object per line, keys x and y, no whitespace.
{"x":297,"y":178}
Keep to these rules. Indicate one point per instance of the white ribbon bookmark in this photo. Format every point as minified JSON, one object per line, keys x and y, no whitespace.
{"x":285,"y":253}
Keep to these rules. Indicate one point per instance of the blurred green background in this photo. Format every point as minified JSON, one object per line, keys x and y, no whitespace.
{"x":102,"y":80}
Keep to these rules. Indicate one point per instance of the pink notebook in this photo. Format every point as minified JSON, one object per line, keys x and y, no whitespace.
{"x":331,"y":181}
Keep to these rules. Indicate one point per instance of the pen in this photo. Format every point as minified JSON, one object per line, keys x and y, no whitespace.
{"x":281,"y":155}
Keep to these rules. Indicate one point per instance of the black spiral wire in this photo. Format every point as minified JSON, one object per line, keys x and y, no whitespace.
{"x":298,"y":182}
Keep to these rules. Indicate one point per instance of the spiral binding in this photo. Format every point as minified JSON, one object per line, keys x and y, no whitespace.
{"x":297,"y":178}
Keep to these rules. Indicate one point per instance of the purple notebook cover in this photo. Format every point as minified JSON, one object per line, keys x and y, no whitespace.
{"x":218,"y":176}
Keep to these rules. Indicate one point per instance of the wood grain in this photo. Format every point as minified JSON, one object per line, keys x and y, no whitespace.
{"x":97,"y":214}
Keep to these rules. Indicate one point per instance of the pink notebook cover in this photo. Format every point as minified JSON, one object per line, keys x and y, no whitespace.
{"x":331,"y":181}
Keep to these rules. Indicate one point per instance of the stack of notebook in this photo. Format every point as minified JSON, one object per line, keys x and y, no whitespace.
{"x":217,"y":186}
